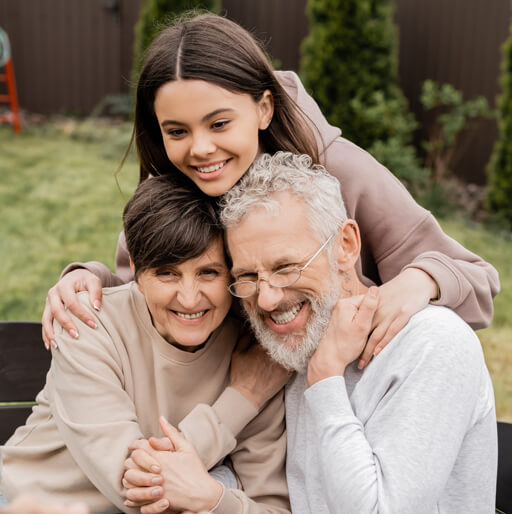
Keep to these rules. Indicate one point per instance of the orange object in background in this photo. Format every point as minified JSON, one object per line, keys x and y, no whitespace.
{"x":11,"y":98}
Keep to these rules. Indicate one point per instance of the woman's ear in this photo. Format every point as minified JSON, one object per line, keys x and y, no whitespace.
{"x":132,"y":267}
{"x":266,"y":109}
{"x":348,"y":245}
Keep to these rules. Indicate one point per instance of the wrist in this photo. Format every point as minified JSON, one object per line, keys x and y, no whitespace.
{"x":317,"y":373}
{"x":214,"y":497}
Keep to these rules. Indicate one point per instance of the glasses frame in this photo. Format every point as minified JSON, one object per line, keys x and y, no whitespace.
{"x":231,"y":287}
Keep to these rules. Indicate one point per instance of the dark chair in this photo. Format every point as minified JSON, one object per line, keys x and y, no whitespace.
{"x":24,"y":363}
{"x":504,"y":484}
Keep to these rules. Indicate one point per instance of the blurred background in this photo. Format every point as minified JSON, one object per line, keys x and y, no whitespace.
{"x":423,"y":86}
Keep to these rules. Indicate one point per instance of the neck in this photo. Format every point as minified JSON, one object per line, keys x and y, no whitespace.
{"x":350,"y":285}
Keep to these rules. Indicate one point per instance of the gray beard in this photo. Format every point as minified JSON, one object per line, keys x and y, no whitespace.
{"x":293,"y":351}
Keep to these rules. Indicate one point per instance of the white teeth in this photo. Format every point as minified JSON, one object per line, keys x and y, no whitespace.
{"x":195,"y":315}
{"x":287,"y":316}
{"x":213,"y":167}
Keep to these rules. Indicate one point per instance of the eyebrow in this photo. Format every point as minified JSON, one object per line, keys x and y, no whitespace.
{"x":206,"y":117}
{"x":284,"y":261}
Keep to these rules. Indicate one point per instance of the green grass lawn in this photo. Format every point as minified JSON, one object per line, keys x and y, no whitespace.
{"x":59,"y":203}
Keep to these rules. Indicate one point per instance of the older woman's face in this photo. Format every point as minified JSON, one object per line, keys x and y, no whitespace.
{"x":188,"y":301}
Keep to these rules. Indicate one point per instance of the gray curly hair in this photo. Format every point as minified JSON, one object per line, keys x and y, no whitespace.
{"x":285,"y":171}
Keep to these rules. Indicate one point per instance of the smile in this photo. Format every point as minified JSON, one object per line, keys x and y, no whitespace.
{"x":192,"y":315}
{"x":212,"y":168}
{"x":285,"y":317}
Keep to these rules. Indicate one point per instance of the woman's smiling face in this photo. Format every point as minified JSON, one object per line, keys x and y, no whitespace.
{"x":209,"y":133}
{"x":188,"y":301}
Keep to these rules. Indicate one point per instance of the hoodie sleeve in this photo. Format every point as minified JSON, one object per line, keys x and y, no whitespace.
{"x":396,"y":232}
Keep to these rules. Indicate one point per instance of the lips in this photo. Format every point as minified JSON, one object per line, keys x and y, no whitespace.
{"x":290,"y":320}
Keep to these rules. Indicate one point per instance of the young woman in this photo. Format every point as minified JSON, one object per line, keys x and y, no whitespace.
{"x":162,"y":346}
{"x":208,"y":102}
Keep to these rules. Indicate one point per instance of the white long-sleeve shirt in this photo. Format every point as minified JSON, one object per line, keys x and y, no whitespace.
{"x":413,"y":432}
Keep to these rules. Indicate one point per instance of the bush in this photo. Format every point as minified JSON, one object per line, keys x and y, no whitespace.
{"x":500,"y":166}
{"x":156,"y":14}
{"x":349,"y":64}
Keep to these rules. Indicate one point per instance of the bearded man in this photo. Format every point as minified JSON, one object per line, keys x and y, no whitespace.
{"x":414,"y":431}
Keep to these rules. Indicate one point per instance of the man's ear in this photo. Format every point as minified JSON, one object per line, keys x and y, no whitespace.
{"x":266,"y":109}
{"x":348,"y":245}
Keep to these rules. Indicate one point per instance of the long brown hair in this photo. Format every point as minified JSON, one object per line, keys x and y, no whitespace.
{"x":214,"y":49}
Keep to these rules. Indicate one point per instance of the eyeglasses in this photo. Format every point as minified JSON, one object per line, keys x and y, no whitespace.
{"x":285,"y":277}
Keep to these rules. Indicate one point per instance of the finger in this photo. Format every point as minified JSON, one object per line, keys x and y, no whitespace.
{"x":60,"y":314}
{"x":145,"y":494}
{"x":178,"y":441}
{"x":156,"y":507}
{"x":145,"y":461}
{"x":162,"y":444}
{"x":70,"y":300}
{"x":141,"y":444}
{"x":129,"y":464}
{"x":368,"y":307}
{"x":139,"y":478}
{"x":94,"y":286}
{"x":47,"y":327}
{"x":391,"y":332}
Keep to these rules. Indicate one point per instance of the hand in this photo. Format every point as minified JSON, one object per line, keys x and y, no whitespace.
{"x":345,"y":337}
{"x":63,"y":295}
{"x":255,"y":375}
{"x":399,"y":299}
{"x":26,"y":505}
{"x":186,"y":482}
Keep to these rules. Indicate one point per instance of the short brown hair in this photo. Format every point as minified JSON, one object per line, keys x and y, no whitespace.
{"x":168,"y":221}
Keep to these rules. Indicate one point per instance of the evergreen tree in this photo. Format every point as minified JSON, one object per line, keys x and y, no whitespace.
{"x":349,"y":65}
{"x":500,"y":166}
{"x":154,"y":15}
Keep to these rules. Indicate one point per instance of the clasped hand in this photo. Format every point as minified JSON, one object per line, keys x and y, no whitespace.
{"x":167,"y":475}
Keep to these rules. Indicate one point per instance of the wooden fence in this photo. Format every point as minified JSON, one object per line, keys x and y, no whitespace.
{"x":69,"y":54}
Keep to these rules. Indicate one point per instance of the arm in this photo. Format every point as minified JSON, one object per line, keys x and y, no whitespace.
{"x":94,"y":414}
{"x":397,"y":232}
{"x":79,"y":276}
{"x":254,"y":378}
{"x":401,"y":448}
{"x":258,"y":461}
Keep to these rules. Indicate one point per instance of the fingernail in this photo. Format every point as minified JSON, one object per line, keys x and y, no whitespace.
{"x":92,"y":324}
{"x":73,"y":333}
{"x":373,"y":291}
{"x":155,"y":469}
{"x":157,"y":491}
{"x":164,"y":419}
{"x":377,"y":351}
{"x":361,"y":364}
{"x":163,"y":504}
{"x":53,"y":343}
{"x":156,"y":480}
{"x":97,"y":305}
{"x":46,"y":345}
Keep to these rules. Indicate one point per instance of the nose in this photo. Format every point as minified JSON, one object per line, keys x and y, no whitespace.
{"x":188,"y":294}
{"x":202,"y":145}
{"x":269,"y":297}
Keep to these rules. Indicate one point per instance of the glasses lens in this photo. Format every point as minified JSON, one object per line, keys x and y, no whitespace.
{"x":284,"y":277}
{"x":243,"y":289}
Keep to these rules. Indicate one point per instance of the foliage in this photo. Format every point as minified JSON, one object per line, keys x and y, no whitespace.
{"x":155,"y":14}
{"x":452,"y":115}
{"x":500,"y":166}
{"x":349,"y":64}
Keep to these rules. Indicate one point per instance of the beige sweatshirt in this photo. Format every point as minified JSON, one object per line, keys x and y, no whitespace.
{"x":108,"y":388}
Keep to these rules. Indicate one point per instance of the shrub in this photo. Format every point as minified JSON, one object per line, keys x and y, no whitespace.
{"x":154,"y":15}
{"x":349,"y":64}
{"x":500,"y":166}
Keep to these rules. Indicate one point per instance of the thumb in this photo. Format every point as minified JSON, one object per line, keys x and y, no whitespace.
{"x":179,"y":442}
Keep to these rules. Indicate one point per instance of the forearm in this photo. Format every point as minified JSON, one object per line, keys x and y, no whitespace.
{"x":213,"y":430}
